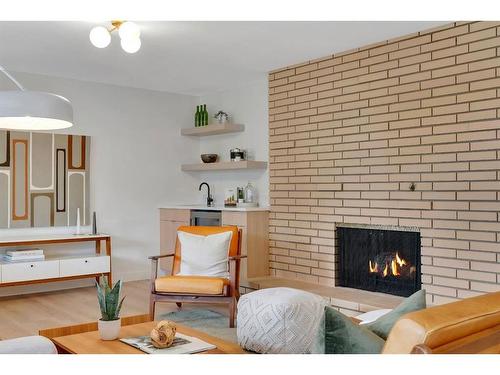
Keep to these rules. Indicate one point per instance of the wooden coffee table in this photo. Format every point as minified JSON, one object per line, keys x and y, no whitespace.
{"x":84,"y":338}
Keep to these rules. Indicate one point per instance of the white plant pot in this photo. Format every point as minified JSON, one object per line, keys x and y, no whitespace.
{"x":109,"y":329}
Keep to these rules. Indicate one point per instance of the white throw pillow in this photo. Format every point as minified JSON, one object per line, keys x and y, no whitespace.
{"x":371,"y":316}
{"x":204,"y":255}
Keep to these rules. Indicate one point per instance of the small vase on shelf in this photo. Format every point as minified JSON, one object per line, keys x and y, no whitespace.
{"x":94,"y":224}
{"x":77,"y":222}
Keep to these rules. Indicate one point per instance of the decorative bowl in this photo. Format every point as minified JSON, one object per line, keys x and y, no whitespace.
{"x":209,"y":158}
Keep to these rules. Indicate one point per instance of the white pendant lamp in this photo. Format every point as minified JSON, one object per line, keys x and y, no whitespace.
{"x":33,"y":110}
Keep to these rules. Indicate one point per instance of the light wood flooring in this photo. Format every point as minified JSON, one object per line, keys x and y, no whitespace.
{"x":24,"y":315}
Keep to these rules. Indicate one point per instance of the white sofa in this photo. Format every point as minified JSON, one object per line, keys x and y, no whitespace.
{"x":28,"y":345}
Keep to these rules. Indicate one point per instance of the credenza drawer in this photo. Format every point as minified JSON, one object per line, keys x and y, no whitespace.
{"x":47,"y":269}
{"x":84,"y":266}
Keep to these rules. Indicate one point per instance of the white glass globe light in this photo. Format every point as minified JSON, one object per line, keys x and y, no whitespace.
{"x":100,"y":37}
{"x":131,"y":45}
{"x":129,"y":30}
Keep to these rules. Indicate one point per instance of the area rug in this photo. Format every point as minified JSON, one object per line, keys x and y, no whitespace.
{"x":207,"y":321}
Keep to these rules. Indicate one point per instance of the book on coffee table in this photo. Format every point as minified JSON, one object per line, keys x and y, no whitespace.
{"x":182,"y":344}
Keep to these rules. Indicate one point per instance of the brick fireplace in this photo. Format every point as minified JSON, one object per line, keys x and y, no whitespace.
{"x":402,"y":133}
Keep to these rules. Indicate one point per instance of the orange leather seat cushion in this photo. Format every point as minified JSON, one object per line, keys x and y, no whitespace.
{"x":191,"y":285}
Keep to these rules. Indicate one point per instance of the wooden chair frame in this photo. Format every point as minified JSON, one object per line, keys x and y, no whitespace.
{"x":230,"y":295}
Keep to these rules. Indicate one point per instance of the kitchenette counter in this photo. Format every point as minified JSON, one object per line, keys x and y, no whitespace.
{"x":212,"y":208}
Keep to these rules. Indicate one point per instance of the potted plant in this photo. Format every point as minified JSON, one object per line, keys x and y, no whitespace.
{"x":110,"y":304}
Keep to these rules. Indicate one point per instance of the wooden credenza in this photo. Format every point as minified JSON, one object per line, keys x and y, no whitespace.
{"x":56,"y":268}
{"x":255,"y":241}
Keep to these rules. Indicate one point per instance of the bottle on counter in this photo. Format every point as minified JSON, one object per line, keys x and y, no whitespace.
{"x":241,"y":194}
{"x":250,"y":194}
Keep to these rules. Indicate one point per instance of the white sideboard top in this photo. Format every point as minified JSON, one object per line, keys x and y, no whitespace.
{"x":13,"y":239}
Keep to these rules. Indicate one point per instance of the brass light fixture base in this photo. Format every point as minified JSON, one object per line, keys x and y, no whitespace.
{"x":116,"y":24}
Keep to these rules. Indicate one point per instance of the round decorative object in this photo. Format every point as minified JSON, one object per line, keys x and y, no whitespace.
{"x":129,"y":30}
{"x":131,"y":45}
{"x":209,"y":158}
{"x":162,"y":336}
{"x":100,"y":37}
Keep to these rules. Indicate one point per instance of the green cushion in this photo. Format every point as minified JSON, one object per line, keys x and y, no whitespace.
{"x":383,"y":325}
{"x":343,"y":336}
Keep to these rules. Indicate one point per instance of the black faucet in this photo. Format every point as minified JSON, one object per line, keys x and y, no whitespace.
{"x":209,"y":197}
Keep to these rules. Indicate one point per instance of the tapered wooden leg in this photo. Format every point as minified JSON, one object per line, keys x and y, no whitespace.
{"x":232,"y":311}
{"x":152,"y":303}
{"x":179,"y":305}
{"x":108,"y":253}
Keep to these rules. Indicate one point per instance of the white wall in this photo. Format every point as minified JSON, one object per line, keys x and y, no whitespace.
{"x":136,"y":152}
{"x":246,"y":105}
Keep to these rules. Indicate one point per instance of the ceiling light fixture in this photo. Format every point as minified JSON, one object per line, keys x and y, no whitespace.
{"x":129,"y":32}
{"x":33,"y":110}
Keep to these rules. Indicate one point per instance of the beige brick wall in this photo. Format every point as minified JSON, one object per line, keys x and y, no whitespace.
{"x":350,"y":132}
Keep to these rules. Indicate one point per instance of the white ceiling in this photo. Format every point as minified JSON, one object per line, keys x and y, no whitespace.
{"x":185,"y":57}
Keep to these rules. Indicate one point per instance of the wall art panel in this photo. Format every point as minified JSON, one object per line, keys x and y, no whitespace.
{"x":44,"y":179}
{"x":42,"y":209}
{"x":41,"y":161}
{"x":76,"y":197}
{"x":4,"y":199}
{"x":4,"y":148}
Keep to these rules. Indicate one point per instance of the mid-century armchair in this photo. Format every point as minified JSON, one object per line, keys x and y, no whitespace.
{"x":205,"y":289}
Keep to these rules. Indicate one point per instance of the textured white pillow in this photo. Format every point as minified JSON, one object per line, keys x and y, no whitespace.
{"x":281,"y":320}
{"x":204,"y":255}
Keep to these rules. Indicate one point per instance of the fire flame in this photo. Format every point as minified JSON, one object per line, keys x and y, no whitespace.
{"x":396,"y":263}
{"x":400,"y":261}
{"x":394,"y":268}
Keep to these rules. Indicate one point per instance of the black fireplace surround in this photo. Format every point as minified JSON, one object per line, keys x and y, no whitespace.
{"x":377,"y":260}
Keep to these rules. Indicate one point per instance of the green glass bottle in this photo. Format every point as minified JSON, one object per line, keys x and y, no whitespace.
{"x":205,"y":115}
{"x":197,"y":116}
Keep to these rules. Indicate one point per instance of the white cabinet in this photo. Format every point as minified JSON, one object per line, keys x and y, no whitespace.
{"x":47,"y":269}
{"x":54,"y":268}
{"x":84,"y":266}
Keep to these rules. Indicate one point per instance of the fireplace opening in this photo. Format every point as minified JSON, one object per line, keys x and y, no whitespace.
{"x":378,"y":260}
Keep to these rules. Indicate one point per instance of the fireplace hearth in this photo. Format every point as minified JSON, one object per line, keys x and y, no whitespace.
{"x":379,"y":260}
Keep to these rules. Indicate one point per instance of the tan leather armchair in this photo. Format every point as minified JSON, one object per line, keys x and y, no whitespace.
{"x":467,"y":327}
{"x":204,"y":289}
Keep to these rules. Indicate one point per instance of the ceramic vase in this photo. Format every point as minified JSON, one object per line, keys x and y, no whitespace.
{"x":109,"y":329}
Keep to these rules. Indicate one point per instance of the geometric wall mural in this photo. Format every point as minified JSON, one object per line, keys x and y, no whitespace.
{"x":44,"y":179}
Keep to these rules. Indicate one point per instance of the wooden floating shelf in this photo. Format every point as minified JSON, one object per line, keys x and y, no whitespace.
{"x":213,"y":129}
{"x":224,"y":166}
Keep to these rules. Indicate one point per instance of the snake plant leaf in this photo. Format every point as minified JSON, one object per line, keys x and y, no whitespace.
{"x":112,"y":301}
{"x":105,"y":284}
{"x":119,"y":308}
{"x":102,"y":301}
